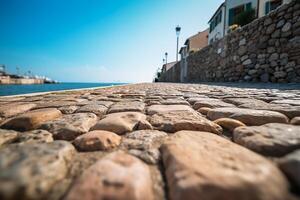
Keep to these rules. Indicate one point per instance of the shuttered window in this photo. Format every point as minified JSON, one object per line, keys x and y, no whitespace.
{"x":231,"y":16}
{"x":248,"y":6}
{"x":267,"y":7}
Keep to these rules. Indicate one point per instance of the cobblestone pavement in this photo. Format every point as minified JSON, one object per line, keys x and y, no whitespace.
{"x":152,"y":141}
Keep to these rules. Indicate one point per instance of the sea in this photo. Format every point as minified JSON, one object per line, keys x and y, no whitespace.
{"x":8,"y":90}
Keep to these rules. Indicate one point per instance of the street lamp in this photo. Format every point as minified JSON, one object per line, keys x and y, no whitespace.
{"x":166,"y":54}
{"x":178,"y":29}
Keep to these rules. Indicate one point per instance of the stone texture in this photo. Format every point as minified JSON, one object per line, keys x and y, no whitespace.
{"x":32,"y":120}
{"x":174,"y":102}
{"x":68,"y":109}
{"x":204,"y":110}
{"x":97,"y":140}
{"x":295,"y":121}
{"x":211,"y":103}
{"x":117,"y":176}
{"x":144,"y":139}
{"x":149,"y":156}
{"x":270,"y":139}
{"x":29,"y":171}
{"x":69,"y":127}
{"x":228,"y":123}
{"x":7,"y":137}
{"x":99,"y":110}
{"x":127,"y":106}
{"x":182,"y":120}
{"x":248,"y":116}
{"x":195,"y":162}
{"x":34,"y":136}
{"x":121,"y":123}
{"x":167,"y":108}
{"x":288,"y":110}
{"x":287,"y":101}
{"x":7,"y":111}
{"x":290,"y":165}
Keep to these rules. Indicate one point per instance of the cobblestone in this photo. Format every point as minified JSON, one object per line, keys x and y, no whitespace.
{"x":152,"y":141}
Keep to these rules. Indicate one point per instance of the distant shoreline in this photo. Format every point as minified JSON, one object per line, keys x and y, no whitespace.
{"x":54,"y":90}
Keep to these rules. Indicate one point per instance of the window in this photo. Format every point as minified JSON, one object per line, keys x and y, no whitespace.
{"x":272,"y":5}
{"x":233,"y":12}
{"x":215,"y":21}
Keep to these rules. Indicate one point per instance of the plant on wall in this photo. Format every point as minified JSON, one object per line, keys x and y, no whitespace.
{"x":245,"y":17}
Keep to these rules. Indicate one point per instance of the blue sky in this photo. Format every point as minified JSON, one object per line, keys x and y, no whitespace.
{"x":96,"y":40}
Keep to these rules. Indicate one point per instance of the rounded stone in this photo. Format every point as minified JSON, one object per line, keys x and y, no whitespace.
{"x":228,"y":123}
{"x":270,"y":139}
{"x":97,"y":140}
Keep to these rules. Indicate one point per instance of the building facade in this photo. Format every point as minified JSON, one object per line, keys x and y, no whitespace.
{"x":266,"y":6}
{"x":217,"y":24}
{"x":192,"y":44}
{"x":226,"y":14}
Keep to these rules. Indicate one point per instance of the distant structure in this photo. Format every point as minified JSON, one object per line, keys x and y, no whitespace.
{"x":6,"y":79}
{"x":2,"y":69}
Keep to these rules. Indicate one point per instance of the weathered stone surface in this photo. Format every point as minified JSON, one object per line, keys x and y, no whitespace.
{"x":211,"y":103}
{"x":68,"y":109}
{"x":290,"y":165}
{"x":120,"y":123}
{"x":32,"y":120}
{"x":195,"y":162}
{"x":270,"y":139}
{"x":55,"y":104}
{"x":193,"y":100}
{"x":34,"y":136}
{"x":228,"y":123}
{"x":182,"y":120}
{"x":99,"y":110}
{"x":144,"y":139}
{"x":69,"y":127}
{"x":248,"y":116}
{"x":287,"y":101}
{"x":127,"y":106}
{"x":149,"y":156}
{"x":204,"y":110}
{"x":97,"y":140}
{"x":167,"y":108}
{"x":295,"y":121}
{"x":29,"y":171}
{"x":18,"y":108}
{"x":117,"y":176}
{"x":7,"y":136}
{"x":288,"y":110}
{"x":174,"y":102}
{"x":240,"y":101}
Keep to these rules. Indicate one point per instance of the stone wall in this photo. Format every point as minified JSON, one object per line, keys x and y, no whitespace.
{"x":172,"y":75}
{"x":266,"y":50}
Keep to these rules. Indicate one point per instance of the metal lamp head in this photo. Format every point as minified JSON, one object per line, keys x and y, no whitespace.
{"x":178,"y":29}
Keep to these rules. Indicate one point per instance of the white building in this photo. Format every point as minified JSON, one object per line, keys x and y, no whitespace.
{"x":217,"y":24}
{"x":225,"y":15}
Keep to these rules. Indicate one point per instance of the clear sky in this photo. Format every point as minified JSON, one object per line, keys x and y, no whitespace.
{"x":96,"y":40}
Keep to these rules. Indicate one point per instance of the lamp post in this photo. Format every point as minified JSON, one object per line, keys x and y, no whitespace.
{"x":178,"y":29}
{"x":166,"y":54}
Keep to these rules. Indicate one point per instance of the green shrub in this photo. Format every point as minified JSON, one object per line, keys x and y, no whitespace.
{"x":245,"y":17}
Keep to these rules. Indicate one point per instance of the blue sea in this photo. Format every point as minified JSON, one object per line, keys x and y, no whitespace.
{"x":6,"y":90}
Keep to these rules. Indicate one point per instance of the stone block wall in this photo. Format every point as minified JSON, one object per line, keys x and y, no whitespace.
{"x":266,"y":50}
{"x":172,"y":75}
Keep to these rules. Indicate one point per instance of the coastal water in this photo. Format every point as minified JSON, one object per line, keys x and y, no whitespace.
{"x":6,"y":90}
